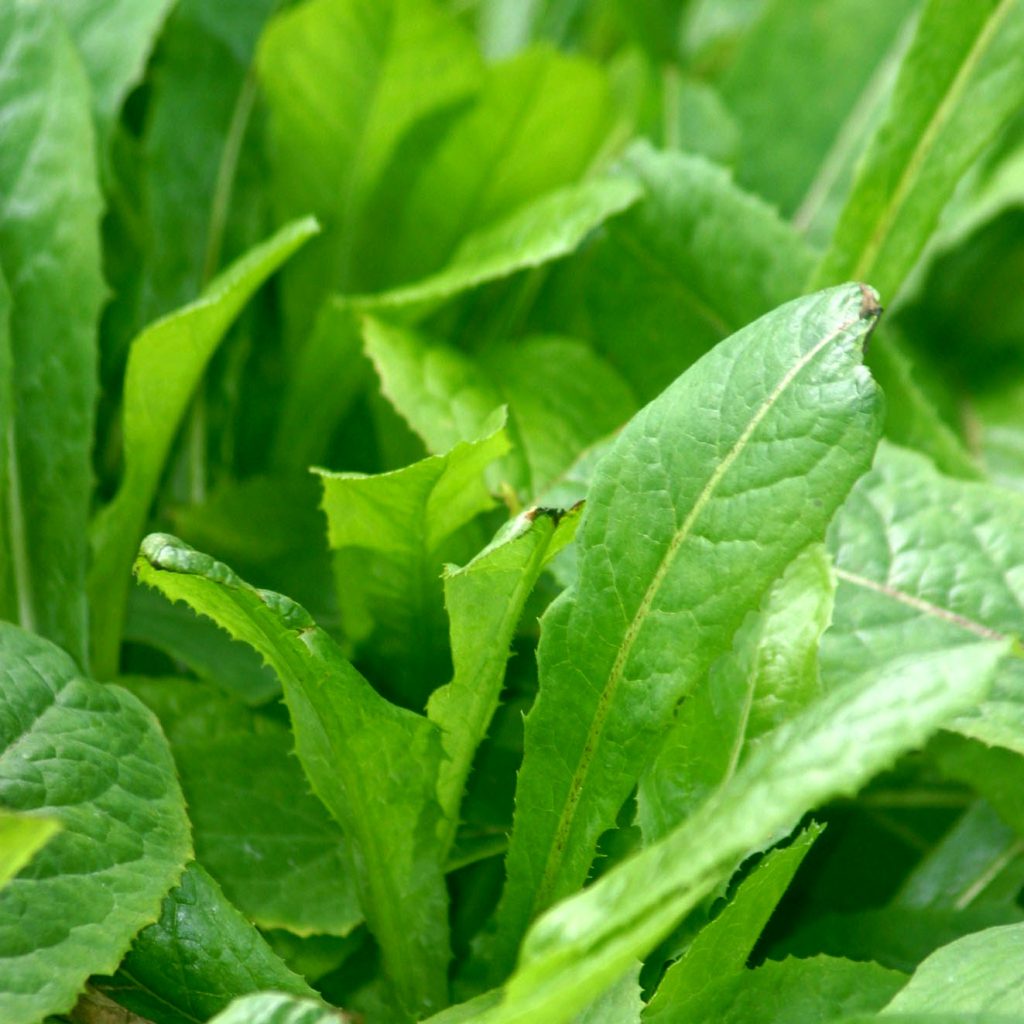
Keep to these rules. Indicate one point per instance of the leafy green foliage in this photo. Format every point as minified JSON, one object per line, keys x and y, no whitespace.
{"x":623,"y":676}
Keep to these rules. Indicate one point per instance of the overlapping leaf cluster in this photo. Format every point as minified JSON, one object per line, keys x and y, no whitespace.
{"x":472,"y":548}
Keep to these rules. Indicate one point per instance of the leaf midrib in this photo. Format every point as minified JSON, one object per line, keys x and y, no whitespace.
{"x":543,"y":894}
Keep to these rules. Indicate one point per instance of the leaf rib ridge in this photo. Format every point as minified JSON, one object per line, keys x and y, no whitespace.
{"x":636,"y":624}
{"x":919,"y":604}
{"x":924,"y":146}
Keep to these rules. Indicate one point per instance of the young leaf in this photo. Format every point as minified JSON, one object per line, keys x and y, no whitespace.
{"x":770,"y":674}
{"x":22,"y":836}
{"x":792,"y":991}
{"x":694,"y":261}
{"x":372,"y":764}
{"x":832,"y":748}
{"x":165,"y":363}
{"x":447,"y":396}
{"x":270,"y":843}
{"x":485,"y":601}
{"x":537,"y":124}
{"x":345,"y":80}
{"x":722,"y":948}
{"x":275,"y":1008}
{"x":957,"y":583}
{"x":702,"y":501}
{"x":123,"y":839}
{"x":391,"y":534}
{"x":170,"y":976}
{"x":976,"y":974}
{"x":49,"y":247}
{"x":114,"y":40}
{"x":961,"y":80}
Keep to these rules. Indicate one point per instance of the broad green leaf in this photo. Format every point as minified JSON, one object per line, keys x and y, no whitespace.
{"x":722,"y":948}
{"x":276,"y":1008}
{"x":832,"y":748}
{"x":506,"y":26}
{"x":791,"y":992}
{"x":702,"y":501}
{"x":485,"y":600}
{"x":770,"y":674}
{"x":694,"y":261}
{"x":561,"y":397}
{"x":345,"y":80}
{"x":8,"y":549}
{"x":960,"y":81}
{"x":979,"y":973}
{"x":785,"y":140}
{"x":538,"y":124}
{"x":1002,"y":434}
{"x":196,"y":958}
{"x":21,"y":838}
{"x":165,"y":364}
{"x":923,"y":562}
{"x":260,"y":833}
{"x":123,"y":839}
{"x":114,"y":38}
{"x":932,"y":1018}
{"x":392,"y":534}
{"x":623,"y":1003}
{"x":50,"y":257}
{"x":541,"y":230}
{"x":372,"y":764}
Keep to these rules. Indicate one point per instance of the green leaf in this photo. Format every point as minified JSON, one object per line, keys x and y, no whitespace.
{"x":372,"y":764}
{"x":622,"y":1003}
{"x":721,"y":949}
{"x":958,"y":583}
{"x":787,"y":144}
{"x":345,"y":80}
{"x":8,"y":550}
{"x":770,"y":674}
{"x":275,"y":1008}
{"x":485,"y":600}
{"x":979,"y":973}
{"x":22,"y":836}
{"x":702,"y":501}
{"x":832,"y":748}
{"x":538,"y":124}
{"x":260,"y":833}
{"x":114,"y":38}
{"x":693,"y":262}
{"x":561,"y":397}
{"x":541,"y":230}
{"x":196,"y":958}
{"x":391,"y":534}
{"x":1002,"y":434}
{"x":791,"y":992}
{"x":165,"y":364}
{"x":962,"y":78}
{"x":123,"y":839}
{"x":49,"y":247}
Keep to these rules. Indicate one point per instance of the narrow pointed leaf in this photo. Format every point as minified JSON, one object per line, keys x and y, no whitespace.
{"x":392,"y":534}
{"x":49,"y":247}
{"x":700,"y":504}
{"x":123,"y":840}
{"x":372,"y":764}
{"x":960,"y":82}
{"x":723,"y":947}
{"x":199,"y":955}
{"x":959,"y":582}
{"x":165,"y":364}
{"x":21,"y":837}
{"x":831,"y":749}
{"x":485,"y":600}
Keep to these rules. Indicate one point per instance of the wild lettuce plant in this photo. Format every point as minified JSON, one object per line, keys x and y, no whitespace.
{"x":473,"y":547}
